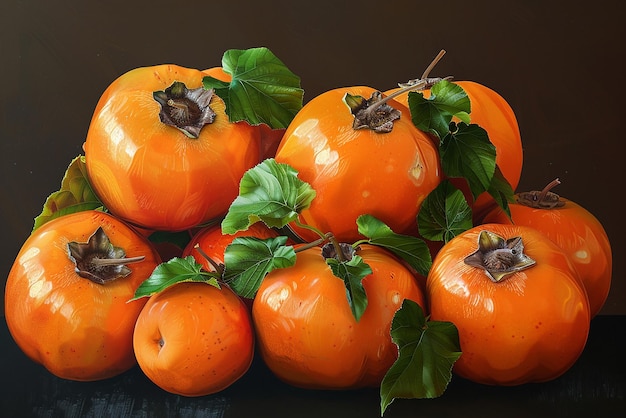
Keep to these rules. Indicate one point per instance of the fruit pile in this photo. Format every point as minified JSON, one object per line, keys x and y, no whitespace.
{"x":366,"y":238}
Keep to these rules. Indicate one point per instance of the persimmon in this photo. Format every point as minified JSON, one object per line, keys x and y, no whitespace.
{"x":306,"y":332}
{"x":194,"y":339}
{"x":521,"y":311}
{"x":66,"y":297}
{"x":574,"y":229}
{"x":161,"y":153}
{"x":494,"y":114}
{"x":384,"y":169}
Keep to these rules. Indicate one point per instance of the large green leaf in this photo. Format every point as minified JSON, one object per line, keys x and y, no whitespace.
{"x":75,"y":194}
{"x":427,"y":353}
{"x":247,"y":260}
{"x":467,"y":152}
{"x":175,"y":271}
{"x":433,"y":115}
{"x":270,"y":192}
{"x":262,"y":89}
{"x":411,"y":249}
{"x":444,"y":213}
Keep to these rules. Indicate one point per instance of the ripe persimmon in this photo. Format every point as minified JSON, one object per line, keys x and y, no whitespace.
{"x":66,"y":299}
{"x":309,"y":337}
{"x":161,"y":152}
{"x":521,"y":311}
{"x":385,"y":169}
{"x":194,"y":339}
{"x":574,"y":229}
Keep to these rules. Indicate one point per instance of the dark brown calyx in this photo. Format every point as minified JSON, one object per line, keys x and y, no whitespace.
{"x":340,"y":251}
{"x":185,"y":109}
{"x":422,"y":83}
{"x":541,"y":199}
{"x":98,"y":260}
{"x":370,"y":114}
{"x":499,"y":257}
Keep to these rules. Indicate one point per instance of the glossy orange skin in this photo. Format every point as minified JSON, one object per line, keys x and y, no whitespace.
{"x":577,"y":232}
{"x":213,"y":242}
{"x":270,"y":138}
{"x":306,"y":332}
{"x":356,"y":172}
{"x":493,"y":113}
{"x":530,"y":327}
{"x":75,"y":328}
{"x":193,"y":339}
{"x":151,"y":174}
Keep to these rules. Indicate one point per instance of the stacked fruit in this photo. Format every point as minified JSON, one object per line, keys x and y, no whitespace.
{"x":364,"y":239}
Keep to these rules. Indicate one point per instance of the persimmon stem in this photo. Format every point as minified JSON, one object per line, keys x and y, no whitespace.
{"x":312,"y":244}
{"x":312,"y":228}
{"x":341,"y":257}
{"x":544,"y":198}
{"x":433,"y":63}
{"x":178,"y":105}
{"x":115,"y":261}
{"x":218,"y":268}
{"x":544,"y":192}
{"x":419,"y":84}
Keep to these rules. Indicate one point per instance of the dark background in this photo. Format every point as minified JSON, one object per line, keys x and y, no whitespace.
{"x":559,"y":64}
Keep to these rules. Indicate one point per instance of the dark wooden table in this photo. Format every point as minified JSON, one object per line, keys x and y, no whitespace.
{"x":594,"y":387}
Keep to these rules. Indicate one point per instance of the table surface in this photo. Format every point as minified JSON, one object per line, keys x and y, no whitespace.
{"x":594,"y":386}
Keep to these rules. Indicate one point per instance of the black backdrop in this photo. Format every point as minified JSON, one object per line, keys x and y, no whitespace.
{"x":559,"y":64}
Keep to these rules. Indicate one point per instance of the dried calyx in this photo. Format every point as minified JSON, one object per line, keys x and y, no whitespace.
{"x":499,"y":257}
{"x":185,"y":109}
{"x":375,"y":114}
{"x":98,"y":260}
{"x":340,"y":251}
{"x":542,"y":199}
{"x":370,"y":114}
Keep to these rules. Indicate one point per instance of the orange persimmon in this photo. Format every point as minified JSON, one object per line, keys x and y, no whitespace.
{"x":66,"y":298}
{"x":161,"y":152}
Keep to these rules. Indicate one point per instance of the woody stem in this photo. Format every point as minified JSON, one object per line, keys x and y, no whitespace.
{"x":418,"y":85}
{"x":341,"y":257}
{"x":115,"y":261}
{"x":312,"y":244}
{"x":546,"y":190}
{"x":216,"y":266}
{"x":433,"y":63}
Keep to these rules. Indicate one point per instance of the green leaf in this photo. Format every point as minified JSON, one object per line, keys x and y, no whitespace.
{"x":501,"y":191}
{"x":174,"y":271}
{"x":444,"y":213}
{"x":247,"y":260}
{"x":352,"y":273}
{"x":411,"y":249}
{"x":262,"y":88}
{"x":433,"y":115}
{"x":75,"y":194}
{"x":469,"y":153}
{"x":270,"y":192}
{"x":427,"y":353}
